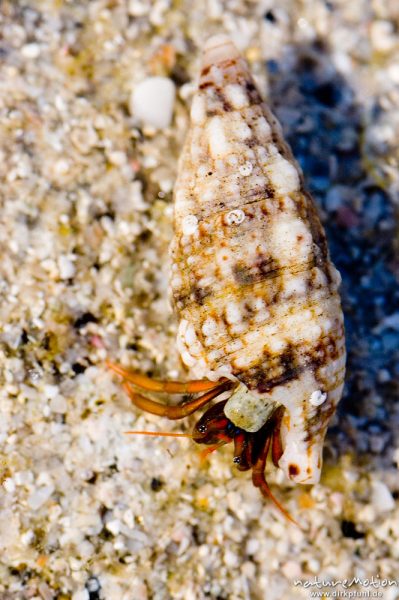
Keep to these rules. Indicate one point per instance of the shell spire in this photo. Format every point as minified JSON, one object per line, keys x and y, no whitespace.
{"x":252,"y":282}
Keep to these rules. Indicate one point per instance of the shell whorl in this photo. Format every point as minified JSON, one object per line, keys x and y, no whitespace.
{"x":252,"y":282}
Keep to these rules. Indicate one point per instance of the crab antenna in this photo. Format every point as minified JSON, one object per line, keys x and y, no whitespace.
{"x":203,"y":455}
{"x":160,"y":433}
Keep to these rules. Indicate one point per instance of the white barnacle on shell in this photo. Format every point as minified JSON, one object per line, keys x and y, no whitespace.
{"x":254,"y":286}
{"x":234,"y":217}
{"x":246,"y":169}
{"x":317,"y":398}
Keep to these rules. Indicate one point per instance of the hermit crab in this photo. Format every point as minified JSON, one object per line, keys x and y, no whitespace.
{"x":256,"y":295}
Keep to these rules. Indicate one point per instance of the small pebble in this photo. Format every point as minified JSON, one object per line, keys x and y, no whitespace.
{"x":66,"y":267}
{"x":137,"y":8}
{"x":231,"y":559}
{"x":291,"y":569}
{"x":30,"y":50}
{"x":9,"y":485}
{"x":152,"y":101}
{"x":391,"y":321}
{"x":383,"y":376}
{"x":45,"y":592}
{"x":381,"y":497}
{"x":27,"y":537}
{"x":117,"y":158}
{"x":93,"y":585}
{"x":58,"y":404}
{"x":252,"y":546}
{"x":382,"y":35}
{"x":313,"y":565}
{"x":114,"y":526}
{"x":61,"y":166}
{"x":40,"y":496}
{"x":85,"y":549}
{"x":51,"y":391}
{"x":81,"y":595}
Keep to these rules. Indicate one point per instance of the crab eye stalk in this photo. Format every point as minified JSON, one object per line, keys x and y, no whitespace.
{"x":213,"y":426}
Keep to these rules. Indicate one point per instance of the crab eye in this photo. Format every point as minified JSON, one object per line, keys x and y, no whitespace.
{"x":232,"y":430}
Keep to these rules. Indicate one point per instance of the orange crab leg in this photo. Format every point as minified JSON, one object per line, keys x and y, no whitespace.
{"x":259,"y":481}
{"x":277,"y":446}
{"x":240,"y":447}
{"x":174,"y":412}
{"x":170,"y":387}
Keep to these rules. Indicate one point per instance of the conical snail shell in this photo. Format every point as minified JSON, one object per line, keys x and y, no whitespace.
{"x":252,"y":282}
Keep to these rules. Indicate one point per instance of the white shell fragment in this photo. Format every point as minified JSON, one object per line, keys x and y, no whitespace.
{"x":254,"y":287}
{"x":152,"y":101}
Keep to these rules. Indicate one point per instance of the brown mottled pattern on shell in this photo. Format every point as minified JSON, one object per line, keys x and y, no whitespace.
{"x":244,"y":264}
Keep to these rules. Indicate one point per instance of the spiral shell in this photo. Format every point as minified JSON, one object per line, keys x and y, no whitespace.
{"x":252,"y":282}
